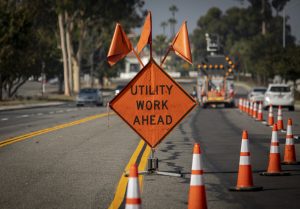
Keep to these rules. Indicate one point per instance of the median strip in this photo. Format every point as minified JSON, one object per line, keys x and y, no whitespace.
{"x":46,"y":130}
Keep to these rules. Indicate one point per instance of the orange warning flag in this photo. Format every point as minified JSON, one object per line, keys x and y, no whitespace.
{"x":146,"y":37}
{"x":181,"y":44}
{"x":120,"y":46}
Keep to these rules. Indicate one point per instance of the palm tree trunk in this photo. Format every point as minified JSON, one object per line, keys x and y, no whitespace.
{"x":64,"y":53}
{"x":69,"y":28}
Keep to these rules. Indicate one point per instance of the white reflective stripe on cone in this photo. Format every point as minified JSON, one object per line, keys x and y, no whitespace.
{"x":289,"y":130}
{"x":197,"y":162}
{"x":244,"y":147}
{"x":274,"y":136}
{"x":274,"y":149}
{"x":131,"y":206}
{"x":133,"y":188}
{"x":196,"y":180}
{"x":289,"y":141}
{"x":244,"y":160}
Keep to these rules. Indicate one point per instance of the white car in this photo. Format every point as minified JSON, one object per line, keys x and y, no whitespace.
{"x":257,"y":94}
{"x":279,"y":95}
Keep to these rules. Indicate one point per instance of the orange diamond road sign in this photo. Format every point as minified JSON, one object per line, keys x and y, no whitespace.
{"x":152,"y":104}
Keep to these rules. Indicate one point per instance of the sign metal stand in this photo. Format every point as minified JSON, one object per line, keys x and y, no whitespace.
{"x":166,"y":104}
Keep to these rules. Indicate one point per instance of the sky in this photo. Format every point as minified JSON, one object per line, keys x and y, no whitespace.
{"x":191,"y":10}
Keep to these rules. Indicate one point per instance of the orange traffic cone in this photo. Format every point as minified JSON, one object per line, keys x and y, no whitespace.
{"x":260,"y":114}
{"x":197,"y":195}
{"x":279,"y":119}
{"x":254,"y":110}
{"x":270,"y":117}
{"x":244,"y":105}
{"x":250,"y":109}
{"x":240,"y":104}
{"x":274,"y":167}
{"x":245,"y":180}
{"x":247,"y":106}
{"x":133,"y":199}
{"x":289,"y":149}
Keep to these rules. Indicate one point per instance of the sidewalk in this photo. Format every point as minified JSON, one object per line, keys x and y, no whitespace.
{"x":27,"y":106}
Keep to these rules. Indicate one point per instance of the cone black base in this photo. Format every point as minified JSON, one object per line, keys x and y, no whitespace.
{"x":275,"y":174}
{"x":290,"y":163}
{"x":245,"y":189}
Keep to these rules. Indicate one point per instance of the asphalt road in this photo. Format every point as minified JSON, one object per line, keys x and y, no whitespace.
{"x":80,"y":165}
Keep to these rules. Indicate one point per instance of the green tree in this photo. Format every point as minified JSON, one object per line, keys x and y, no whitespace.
{"x":86,"y":22}
{"x":25,"y":42}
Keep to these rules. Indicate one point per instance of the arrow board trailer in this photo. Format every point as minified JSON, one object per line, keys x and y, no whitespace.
{"x":215,"y":83}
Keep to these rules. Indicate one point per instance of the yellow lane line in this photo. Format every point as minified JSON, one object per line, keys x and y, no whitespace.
{"x":46,"y":130}
{"x":121,"y":188}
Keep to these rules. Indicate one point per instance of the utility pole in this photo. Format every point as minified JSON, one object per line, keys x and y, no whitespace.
{"x":283,"y":29}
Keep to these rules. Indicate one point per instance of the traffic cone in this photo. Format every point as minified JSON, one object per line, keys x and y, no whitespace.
{"x":240,"y":104}
{"x":254,"y":110}
{"x":289,"y":149}
{"x":197,"y":195}
{"x":244,"y":105}
{"x":270,"y":116}
{"x":250,"y":109}
{"x":259,"y":113}
{"x":133,"y":199}
{"x":279,"y":119}
{"x":245,"y":180}
{"x":274,"y":167}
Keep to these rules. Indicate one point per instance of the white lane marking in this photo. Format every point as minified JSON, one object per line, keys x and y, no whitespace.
{"x":51,"y":112}
{"x":40,"y":113}
{"x":264,"y":122}
{"x":23,"y":116}
{"x":69,"y":110}
{"x":59,"y":111}
{"x":3,"y":119}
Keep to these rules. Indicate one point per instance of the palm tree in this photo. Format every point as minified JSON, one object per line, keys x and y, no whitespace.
{"x":172,"y":23}
{"x":173,"y":9}
{"x":164,"y":25}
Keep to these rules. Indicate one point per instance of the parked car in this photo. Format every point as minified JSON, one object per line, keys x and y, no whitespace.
{"x":89,"y":96}
{"x":279,"y":95}
{"x":257,"y":94}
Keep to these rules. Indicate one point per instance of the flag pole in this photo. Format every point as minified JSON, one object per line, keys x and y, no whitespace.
{"x":162,"y":62}
{"x":138,"y":57}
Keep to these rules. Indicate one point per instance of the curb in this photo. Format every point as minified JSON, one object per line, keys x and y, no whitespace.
{"x":29,"y":106}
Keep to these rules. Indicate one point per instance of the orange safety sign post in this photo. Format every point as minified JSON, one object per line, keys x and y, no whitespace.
{"x":152,"y":103}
